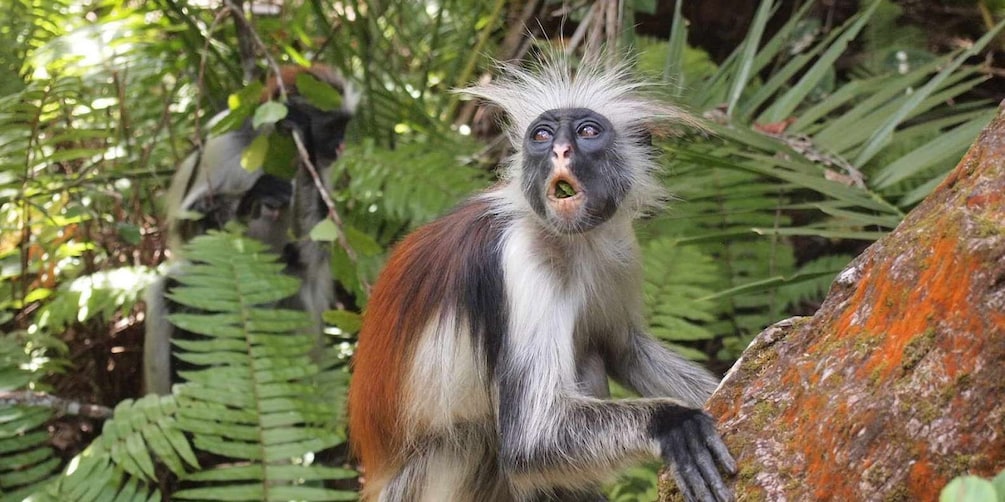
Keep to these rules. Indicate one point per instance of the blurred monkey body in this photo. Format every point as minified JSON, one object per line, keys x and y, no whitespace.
{"x":210,"y":189}
{"x":482,"y":365}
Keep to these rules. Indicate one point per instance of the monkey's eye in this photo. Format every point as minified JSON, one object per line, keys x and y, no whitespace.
{"x":588,"y":131}
{"x":541,"y":134}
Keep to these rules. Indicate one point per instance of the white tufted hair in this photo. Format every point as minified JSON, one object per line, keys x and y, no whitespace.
{"x":608,"y":89}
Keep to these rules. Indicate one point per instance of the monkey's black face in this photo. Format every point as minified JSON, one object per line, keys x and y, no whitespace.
{"x":572,"y":175}
{"x":322,"y":131}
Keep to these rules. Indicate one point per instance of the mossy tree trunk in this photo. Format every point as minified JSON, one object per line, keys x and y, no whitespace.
{"x":897,"y":384}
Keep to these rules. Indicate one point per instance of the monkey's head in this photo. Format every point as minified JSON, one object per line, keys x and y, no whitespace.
{"x":320,"y":104}
{"x":323,"y":131}
{"x":582,"y":140}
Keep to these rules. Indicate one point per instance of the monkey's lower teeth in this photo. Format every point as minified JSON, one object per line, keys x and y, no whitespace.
{"x":564,"y":190}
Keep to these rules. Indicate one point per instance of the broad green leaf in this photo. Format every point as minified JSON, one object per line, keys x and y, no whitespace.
{"x":345,"y":320}
{"x":749,"y":50}
{"x":281,"y":157}
{"x":673,"y":69}
{"x":999,"y":484}
{"x":129,"y":233}
{"x":318,"y":93}
{"x":361,"y":242}
{"x":270,"y":112}
{"x":325,"y":231}
{"x":786,"y":104}
{"x":254,"y":154}
{"x":246,"y":98}
{"x":882,"y":136}
{"x":932,"y":153}
{"x":968,"y":489}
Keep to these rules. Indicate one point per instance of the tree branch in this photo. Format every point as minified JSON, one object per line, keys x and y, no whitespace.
{"x":60,"y":405}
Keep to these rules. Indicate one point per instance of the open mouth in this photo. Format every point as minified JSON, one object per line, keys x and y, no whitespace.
{"x":564,"y":187}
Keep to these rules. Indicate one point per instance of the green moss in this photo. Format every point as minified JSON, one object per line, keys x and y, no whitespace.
{"x":763,"y":414}
{"x":750,"y":491}
{"x":746,"y":473}
{"x":961,"y":463}
{"x":877,"y":475}
{"x":765,"y":358}
{"x":876,"y":376}
{"x":987,"y":227}
{"x":955,"y":387}
{"x":917,"y":348}
{"x":865,"y":342}
{"x":898,"y":494}
{"x":926,"y":410}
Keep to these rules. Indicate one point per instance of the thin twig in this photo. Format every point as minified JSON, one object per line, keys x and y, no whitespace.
{"x":245,"y":47}
{"x":61,"y":405}
{"x":325,"y":196}
{"x":239,"y":17}
{"x":301,"y":149}
{"x":201,"y":79}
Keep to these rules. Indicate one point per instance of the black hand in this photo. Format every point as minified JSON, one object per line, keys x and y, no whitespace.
{"x":691,"y":448}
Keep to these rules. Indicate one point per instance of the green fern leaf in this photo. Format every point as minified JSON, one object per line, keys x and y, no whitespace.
{"x":253,"y":397}
{"x":675,"y":278}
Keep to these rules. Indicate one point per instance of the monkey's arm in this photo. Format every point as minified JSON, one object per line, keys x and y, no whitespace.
{"x":551,"y":435}
{"x":646,"y":366}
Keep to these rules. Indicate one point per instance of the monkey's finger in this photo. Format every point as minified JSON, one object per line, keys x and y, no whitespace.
{"x":703,"y":459}
{"x":714,"y":443}
{"x":689,"y":477}
{"x":683,"y":485}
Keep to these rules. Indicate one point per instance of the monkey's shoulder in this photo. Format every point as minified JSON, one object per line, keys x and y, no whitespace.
{"x":470,"y":231}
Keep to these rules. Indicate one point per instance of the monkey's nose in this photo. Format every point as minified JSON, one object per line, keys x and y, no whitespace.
{"x":562,"y":151}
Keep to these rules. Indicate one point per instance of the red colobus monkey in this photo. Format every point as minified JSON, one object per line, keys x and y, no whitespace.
{"x":482,"y":366}
{"x":211,"y":188}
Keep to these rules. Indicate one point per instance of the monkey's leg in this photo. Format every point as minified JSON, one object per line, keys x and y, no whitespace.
{"x":157,"y":341}
{"x":459,"y":466}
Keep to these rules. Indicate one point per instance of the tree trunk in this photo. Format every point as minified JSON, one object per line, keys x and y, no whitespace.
{"x":897,"y":384}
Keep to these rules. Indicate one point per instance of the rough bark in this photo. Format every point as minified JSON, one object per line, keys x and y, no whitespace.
{"x":897,"y":384}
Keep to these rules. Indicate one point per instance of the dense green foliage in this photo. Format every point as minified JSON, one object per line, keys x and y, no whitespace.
{"x":801,"y":165}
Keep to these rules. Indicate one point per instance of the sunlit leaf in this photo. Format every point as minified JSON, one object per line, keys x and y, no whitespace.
{"x":345,"y":320}
{"x":318,"y":93}
{"x":254,"y":154}
{"x":269,"y":112}
{"x":325,"y":231}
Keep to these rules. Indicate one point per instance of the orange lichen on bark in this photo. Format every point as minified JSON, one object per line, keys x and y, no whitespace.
{"x":895,"y":385}
{"x":923,"y":480}
{"x":902,"y":309}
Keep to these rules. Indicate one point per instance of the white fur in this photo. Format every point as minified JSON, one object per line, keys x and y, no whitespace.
{"x":453,"y":389}
{"x":542,"y":322}
{"x":215,"y":170}
{"x":157,"y":342}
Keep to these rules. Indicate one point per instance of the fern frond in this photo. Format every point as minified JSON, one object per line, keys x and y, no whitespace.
{"x":120,"y":463}
{"x":676,"y":277}
{"x":27,"y":461}
{"x":412,"y":184}
{"x":256,"y":397}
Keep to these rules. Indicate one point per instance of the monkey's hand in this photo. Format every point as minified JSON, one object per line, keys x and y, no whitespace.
{"x":691,"y":448}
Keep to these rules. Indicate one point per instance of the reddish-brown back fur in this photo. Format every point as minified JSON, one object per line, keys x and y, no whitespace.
{"x":421,"y":276}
